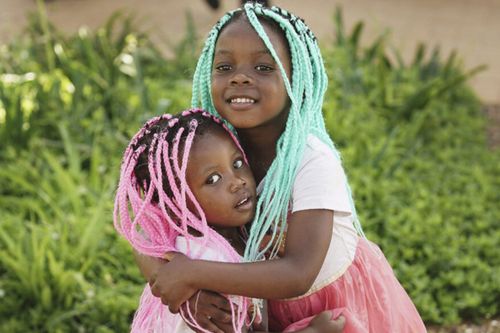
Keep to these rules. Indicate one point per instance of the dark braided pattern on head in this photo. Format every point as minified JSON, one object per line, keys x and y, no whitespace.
{"x":173,"y":129}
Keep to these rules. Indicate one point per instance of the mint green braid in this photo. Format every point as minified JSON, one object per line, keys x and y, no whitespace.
{"x":306,"y":91}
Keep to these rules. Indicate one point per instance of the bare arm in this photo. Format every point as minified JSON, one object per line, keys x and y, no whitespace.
{"x":208,"y":304}
{"x":148,"y":265}
{"x":308,"y":237}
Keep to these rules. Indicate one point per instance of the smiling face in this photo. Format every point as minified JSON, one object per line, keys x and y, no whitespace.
{"x":247,"y":87}
{"x":220,"y":180}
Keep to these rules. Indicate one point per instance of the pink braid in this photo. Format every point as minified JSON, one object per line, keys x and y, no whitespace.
{"x":151,"y":218}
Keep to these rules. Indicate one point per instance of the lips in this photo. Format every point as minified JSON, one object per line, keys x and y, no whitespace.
{"x":245,"y":202}
{"x":241,"y":99}
{"x":241,"y":103}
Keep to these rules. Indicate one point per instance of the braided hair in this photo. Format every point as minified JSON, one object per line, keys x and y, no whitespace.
{"x":305,"y":89}
{"x":154,"y":205}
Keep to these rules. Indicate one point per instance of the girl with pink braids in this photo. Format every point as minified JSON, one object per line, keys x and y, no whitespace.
{"x":185,"y":186}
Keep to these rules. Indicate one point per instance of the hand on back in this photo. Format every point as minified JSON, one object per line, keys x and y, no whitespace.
{"x":170,"y":284}
{"x":323,"y":323}
{"x":211,"y":311}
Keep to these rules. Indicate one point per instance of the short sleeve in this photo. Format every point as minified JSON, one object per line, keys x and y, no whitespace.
{"x":320,"y":182}
{"x":196,"y":250}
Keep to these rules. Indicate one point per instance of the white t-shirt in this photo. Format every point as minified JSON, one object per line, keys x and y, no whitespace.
{"x":174,"y":322}
{"x":321,"y":184}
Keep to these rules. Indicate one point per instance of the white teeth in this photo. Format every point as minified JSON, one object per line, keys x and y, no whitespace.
{"x":242,"y":100}
{"x":242,"y":202}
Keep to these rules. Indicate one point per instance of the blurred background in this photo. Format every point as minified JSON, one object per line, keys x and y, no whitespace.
{"x":413,"y":104}
{"x":472,"y":28}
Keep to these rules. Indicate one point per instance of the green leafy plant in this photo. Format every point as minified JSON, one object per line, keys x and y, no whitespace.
{"x":413,"y":142}
{"x":411,"y":134}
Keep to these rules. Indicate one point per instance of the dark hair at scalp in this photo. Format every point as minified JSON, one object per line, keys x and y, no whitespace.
{"x":170,"y":127}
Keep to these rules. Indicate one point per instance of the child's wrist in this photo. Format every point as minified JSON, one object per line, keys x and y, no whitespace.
{"x":191,"y":272}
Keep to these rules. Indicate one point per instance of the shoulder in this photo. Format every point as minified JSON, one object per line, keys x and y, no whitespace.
{"x":314,"y":144}
{"x":320,"y":181}
{"x":320,"y":156}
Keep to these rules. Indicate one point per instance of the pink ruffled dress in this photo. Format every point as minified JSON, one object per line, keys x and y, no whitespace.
{"x":367,"y":294}
{"x":355,"y":280}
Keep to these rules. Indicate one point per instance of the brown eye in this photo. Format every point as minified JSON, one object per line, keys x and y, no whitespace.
{"x":263,"y":68}
{"x":212,"y":179}
{"x":222,"y":68}
{"x":238,"y":164}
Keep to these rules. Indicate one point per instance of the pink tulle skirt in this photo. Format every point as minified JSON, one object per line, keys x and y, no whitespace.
{"x":368,"y":295}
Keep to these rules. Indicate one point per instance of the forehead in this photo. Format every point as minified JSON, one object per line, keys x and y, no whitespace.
{"x":240,"y":32}
{"x":214,"y":140}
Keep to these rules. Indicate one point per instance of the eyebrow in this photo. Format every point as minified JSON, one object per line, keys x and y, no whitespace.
{"x":210,"y":168}
{"x":263,"y":51}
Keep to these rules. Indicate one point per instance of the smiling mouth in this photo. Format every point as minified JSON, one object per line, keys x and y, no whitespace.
{"x":241,"y":100}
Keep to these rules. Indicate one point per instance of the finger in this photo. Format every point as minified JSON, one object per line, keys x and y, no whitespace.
{"x":193,"y":302}
{"x":216,"y":314}
{"x":209,"y":304}
{"x":173,"y":308}
{"x":215,"y":299}
{"x":208,"y":325}
{"x":164,"y":300}
{"x":220,"y":316}
{"x":226,"y":327}
{"x":339,"y":323}
{"x":220,"y":302}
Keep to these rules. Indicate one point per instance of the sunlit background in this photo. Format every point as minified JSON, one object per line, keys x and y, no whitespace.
{"x":413,"y":104}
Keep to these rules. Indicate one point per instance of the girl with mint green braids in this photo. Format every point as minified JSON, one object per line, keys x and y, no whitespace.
{"x":261,"y":70}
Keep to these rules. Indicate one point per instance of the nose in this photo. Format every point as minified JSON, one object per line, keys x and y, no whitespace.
{"x":237,"y":184}
{"x":240,"y":78}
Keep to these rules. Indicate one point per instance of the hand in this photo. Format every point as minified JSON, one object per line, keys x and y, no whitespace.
{"x":323,"y":323}
{"x":211,"y":311}
{"x":171,"y":282}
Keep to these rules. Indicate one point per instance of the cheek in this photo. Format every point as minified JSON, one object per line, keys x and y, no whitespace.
{"x":216,"y":84}
{"x":281,"y":96}
{"x":216,"y":92}
{"x":210,"y":204}
{"x":278,"y":87}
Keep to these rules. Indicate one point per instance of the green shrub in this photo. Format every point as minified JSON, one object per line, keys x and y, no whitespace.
{"x":425,"y":183}
{"x":70,"y":105}
{"x":63,"y":268}
{"x":412,"y":137}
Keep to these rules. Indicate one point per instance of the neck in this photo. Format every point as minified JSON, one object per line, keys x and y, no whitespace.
{"x":259,"y":145}
{"x":233,"y":236}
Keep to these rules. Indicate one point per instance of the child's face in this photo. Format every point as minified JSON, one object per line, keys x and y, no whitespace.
{"x":220,"y":180}
{"x":247,"y":87}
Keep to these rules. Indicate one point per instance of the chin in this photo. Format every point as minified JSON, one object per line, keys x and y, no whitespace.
{"x":250,"y":219}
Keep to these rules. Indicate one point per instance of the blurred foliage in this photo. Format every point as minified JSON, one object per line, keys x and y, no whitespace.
{"x":412,"y":138}
{"x":426,"y":185}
